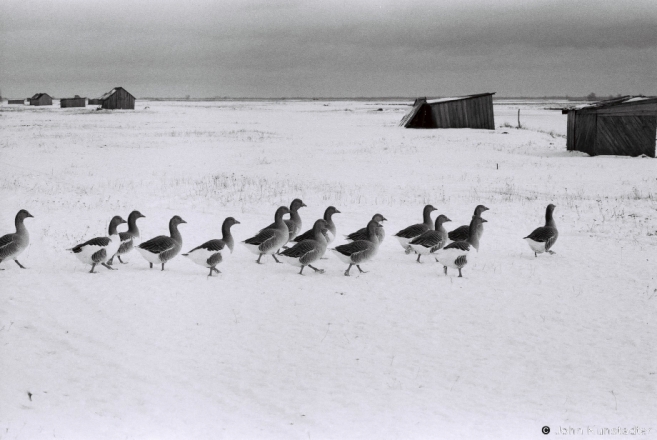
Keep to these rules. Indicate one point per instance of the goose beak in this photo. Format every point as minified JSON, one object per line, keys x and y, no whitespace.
{"x":384,"y":219}
{"x":483,"y":220}
{"x":237,"y":222}
{"x":338,"y":212}
{"x":303,"y":204}
{"x":182,"y":221}
{"x":30,"y":215}
{"x":448,"y":220}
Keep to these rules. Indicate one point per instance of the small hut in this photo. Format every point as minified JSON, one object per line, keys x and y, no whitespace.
{"x":73,"y":102}
{"x":41,"y":99}
{"x":472,"y":111}
{"x":118,"y":98}
{"x":16,"y":101}
{"x":623,"y":126}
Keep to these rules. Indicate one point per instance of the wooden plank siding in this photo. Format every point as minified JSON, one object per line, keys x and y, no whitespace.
{"x":72,"y":102}
{"x":585,"y":133}
{"x":626,"y":126}
{"x":120,"y":99}
{"x":626,"y":135}
{"x":474,"y":111}
{"x":16,"y":101}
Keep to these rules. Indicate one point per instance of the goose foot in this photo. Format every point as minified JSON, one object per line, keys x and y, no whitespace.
{"x":418,"y":258}
{"x":120,"y":260}
{"x":360,"y":270}
{"x":315,"y":269}
{"x":162,"y":266}
{"x":19,"y":265}
{"x":551,"y":252}
{"x":108,"y":266}
{"x":276,"y":258}
{"x":92,"y":268}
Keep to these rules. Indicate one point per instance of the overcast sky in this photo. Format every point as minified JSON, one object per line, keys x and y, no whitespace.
{"x":306,"y":48}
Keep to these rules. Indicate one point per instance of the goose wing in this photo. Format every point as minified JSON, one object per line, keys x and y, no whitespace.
{"x":544,"y":234}
{"x":98,"y":241}
{"x":158,"y":244}
{"x":308,"y":235}
{"x":212,"y":246}
{"x":7,"y":246}
{"x":460,"y":245}
{"x":300,"y":249}
{"x":429,"y":239}
{"x":412,"y":231}
{"x":461,"y":233}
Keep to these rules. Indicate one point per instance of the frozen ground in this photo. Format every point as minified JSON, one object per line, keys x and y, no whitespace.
{"x":402,"y":352}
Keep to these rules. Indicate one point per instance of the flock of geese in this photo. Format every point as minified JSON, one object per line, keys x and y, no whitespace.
{"x":283,"y":239}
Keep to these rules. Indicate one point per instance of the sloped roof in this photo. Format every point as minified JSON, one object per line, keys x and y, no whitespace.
{"x":620,"y":101}
{"x":111,"y":92}
{"x":39,"y":95}
{"x":458,"y":98}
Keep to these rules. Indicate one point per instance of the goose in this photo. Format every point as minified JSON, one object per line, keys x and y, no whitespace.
{"x":432,"y":240}
{"x":308,"y":251}
{"x":211,"y":253}
{"x":98,"y":250}
{"x":461,"y":233}
{"x":294,"y":223}
{"x":12,"y":245}
{"x":359,"y":251}
{"x":455,"y":255}
{"x":543,"y":238}
{"x":160,"y":249}
{"x":330,"y":227}
{"x":362,"y":233}
{"x":128,"y":238}
{"x":407,"y":234}
{"x":270,"y":239}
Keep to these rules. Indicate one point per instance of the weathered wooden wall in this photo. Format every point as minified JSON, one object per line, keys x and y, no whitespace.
{"x":474,"y":112}
{"x":42,"y":100}
{"x":423,"y":118}
{"x":16,"y":101}
{"x":73,"y":102}
{"x":626,"y":129}
{"x":119,"y":100}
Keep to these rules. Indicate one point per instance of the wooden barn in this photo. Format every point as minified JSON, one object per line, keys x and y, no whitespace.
{"x":73,"y":102}
{"x":16,"y":101}
{"x":472,"y":111}
{"x":41,"y":99}
{"x":118,"y":98}
{"x":622,"y":126}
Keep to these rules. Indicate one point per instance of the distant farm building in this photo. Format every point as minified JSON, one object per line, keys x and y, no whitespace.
{"x":95,"y":101}
{"x":622,"y":126}
{"x":16,"y":101}
{"x":73,"y":102}
{"x":118,"y":98}
{"x":41,"y":99}
{"x":472,"y":111}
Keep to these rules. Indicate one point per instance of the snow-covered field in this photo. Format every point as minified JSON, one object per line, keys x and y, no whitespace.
{"x":259,"y":352}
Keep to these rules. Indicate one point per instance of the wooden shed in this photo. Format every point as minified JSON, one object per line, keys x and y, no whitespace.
{"x":16,"y":101}
{"x":95,"y":101}
{"x":73,"y":102}
{"x":472,"y":111}
{"x":623,"y":126}
{"x":41,"y":99}
{"x":118,"y":98}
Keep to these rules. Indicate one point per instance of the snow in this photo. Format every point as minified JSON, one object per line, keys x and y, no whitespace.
{"x":518,"y":343}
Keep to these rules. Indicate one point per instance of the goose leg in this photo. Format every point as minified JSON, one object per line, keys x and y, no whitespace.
{"x":346,"y":273}
{"x":19,"y":265}
{"x":360,"y":270}
{"x":216,"y":270}
{"x":445,"y":269}
{"x":92,"y":268}
{"x":162,"y":266}
{"x":301,"y":271}
{"x":315,"y":269}
{"x":259,"y":257}
{"x":108,"y":266}
{"x":210,"y":274}
{"x":460,"y":276}
{"x":418,"y":258}
{"x":273,"y":255}
{"x":111,"y":260}
{"x":120,"y":260}
{"x":551,"y":252}
{"x":535,"y":255}
{"x":151,"y":265}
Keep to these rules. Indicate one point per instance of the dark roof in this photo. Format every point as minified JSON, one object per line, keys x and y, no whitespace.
{"x":419,"y":102}
{"x":111,"y":92}
{"x":39,"y":95}
{"x":615,"y":102}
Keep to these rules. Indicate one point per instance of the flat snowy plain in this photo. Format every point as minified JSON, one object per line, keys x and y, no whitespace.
{"x":259,"y":352}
